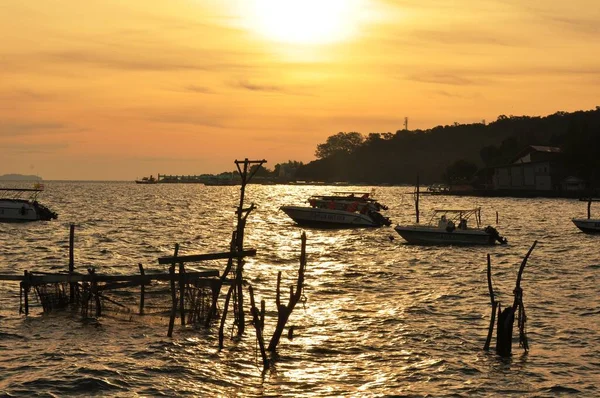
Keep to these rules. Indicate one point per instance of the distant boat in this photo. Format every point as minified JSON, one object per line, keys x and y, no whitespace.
{"x":147,"y":180}
{"x":14,"y":208}
{"x":588,"y":225}
{"x":343,"y":209}
{"x":449,"y":227}
{"x":437,"y":189}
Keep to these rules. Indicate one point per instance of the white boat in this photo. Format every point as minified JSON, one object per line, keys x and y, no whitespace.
{"x":343,"y":209}
{"x":14,"y":208}
{"x":449,"y":227}
{"x":588,"y":225}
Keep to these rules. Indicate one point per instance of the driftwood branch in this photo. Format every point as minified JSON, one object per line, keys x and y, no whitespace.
{"x":284,"y":311}
{"x":522,"y":267}
{"x":488,"y":340}
{"x":224,"y":316}
{"x":258,"y":322}
{"x":506,"y":317}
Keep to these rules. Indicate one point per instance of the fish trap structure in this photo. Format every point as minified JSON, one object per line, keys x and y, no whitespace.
{"x":186,"y":292}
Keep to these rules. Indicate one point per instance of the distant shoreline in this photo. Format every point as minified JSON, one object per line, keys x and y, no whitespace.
{"x":524,"y":194}
{"x":19,"y":177}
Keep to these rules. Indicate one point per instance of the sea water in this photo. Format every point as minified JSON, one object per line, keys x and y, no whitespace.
{"x":382,"y":318}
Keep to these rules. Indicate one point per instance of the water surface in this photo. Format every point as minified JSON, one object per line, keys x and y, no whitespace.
{"x":382,"y":317}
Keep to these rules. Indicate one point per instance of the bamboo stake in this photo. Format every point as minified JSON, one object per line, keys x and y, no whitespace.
{"x":71,"y":262}
{"x":173,"y":301}
{"x":142,"y":289}
{"x":283,"y":311}
{"x":257,"y":322}
{"x":417,"y":200}
{"x":224,"y":316}
{"x":488,"y":340}
{"x":25,"y":286}
{"x":506,"y":318}
{"x":182,"y":293}
{"x":94,"y":291}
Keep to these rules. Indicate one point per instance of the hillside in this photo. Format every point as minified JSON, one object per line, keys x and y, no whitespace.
{"x":398,"y":158}
{"x":19,"y":177}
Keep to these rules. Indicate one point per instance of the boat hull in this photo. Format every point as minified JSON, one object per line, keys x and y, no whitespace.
{"x":328,"y":218}
{"x":17,"y":210}
{"x":435,"y":236}
{"x":588,"y":225}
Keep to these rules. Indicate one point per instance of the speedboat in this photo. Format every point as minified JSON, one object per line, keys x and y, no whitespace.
{"x":588,"y":225}
{"x":342,"y":209}
{"x":449,"y":226}
{"x":14,"y":208}
{"x":147,"y":180}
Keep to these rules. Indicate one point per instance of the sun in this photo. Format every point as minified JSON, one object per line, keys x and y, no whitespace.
{"x":304,"y":21}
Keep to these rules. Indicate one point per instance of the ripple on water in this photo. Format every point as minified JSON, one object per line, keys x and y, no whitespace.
{"x":383,"y":318}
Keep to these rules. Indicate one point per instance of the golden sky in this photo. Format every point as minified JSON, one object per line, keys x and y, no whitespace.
{"x":107,"y":89}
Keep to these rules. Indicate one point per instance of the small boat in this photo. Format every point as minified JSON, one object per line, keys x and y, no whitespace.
{"x":147,"y":180}
{"x":13,"y":208}
{"x":588,"y":225}
{"x":449,"y":226}
{"x":342,"y":209}
{"x":437,"y":189}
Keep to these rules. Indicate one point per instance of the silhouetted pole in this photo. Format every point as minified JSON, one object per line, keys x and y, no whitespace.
{"x":71,"y":262}
{"x":417,"y":200}
{"x":242,"y":215}
{"x":142,"y":289}
{"x":486,"y":347}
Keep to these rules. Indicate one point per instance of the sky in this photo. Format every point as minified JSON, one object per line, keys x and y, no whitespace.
{"x":117,"y":90}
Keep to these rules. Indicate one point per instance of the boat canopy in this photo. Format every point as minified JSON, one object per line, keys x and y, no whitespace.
{"x":18,"y":193}
{"x":458,"y":214}
{"x":354,"y":196}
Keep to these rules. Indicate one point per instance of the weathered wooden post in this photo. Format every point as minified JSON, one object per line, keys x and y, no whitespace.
{"x":242,"y":215}
{"x":142,"y":289}
{"x":506,"y":317}
{"x":258,"y":322}
{"x":94,"y":291}
{"x":283,"y":311}
{"x":173,"y":300}
{"x":417,"y":199}
{"x":262,"y":314}
{"x":26,"y":286}
{"x":71,"y":262}
{"x":182,"y":293}
{"x":173,"y":293}
{"x":224,"y":316}
{"x":488,"y":340}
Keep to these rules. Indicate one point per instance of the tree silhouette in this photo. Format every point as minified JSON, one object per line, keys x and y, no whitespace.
{"x":341,"y":143}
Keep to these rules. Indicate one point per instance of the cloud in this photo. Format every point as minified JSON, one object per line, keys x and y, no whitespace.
{"x":25,"y":95}
{"x":271,"y":88}
{"x":198,"y":89}
{"x":442,"y":78}
{"x":192,"y":118}
{"x":21,"y":129}
{"x":258,"y":87}
{"x":578,"y":25}
{"x":33,"y":148}
{"x":463,"y":36}
{"x":124,"y":62}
